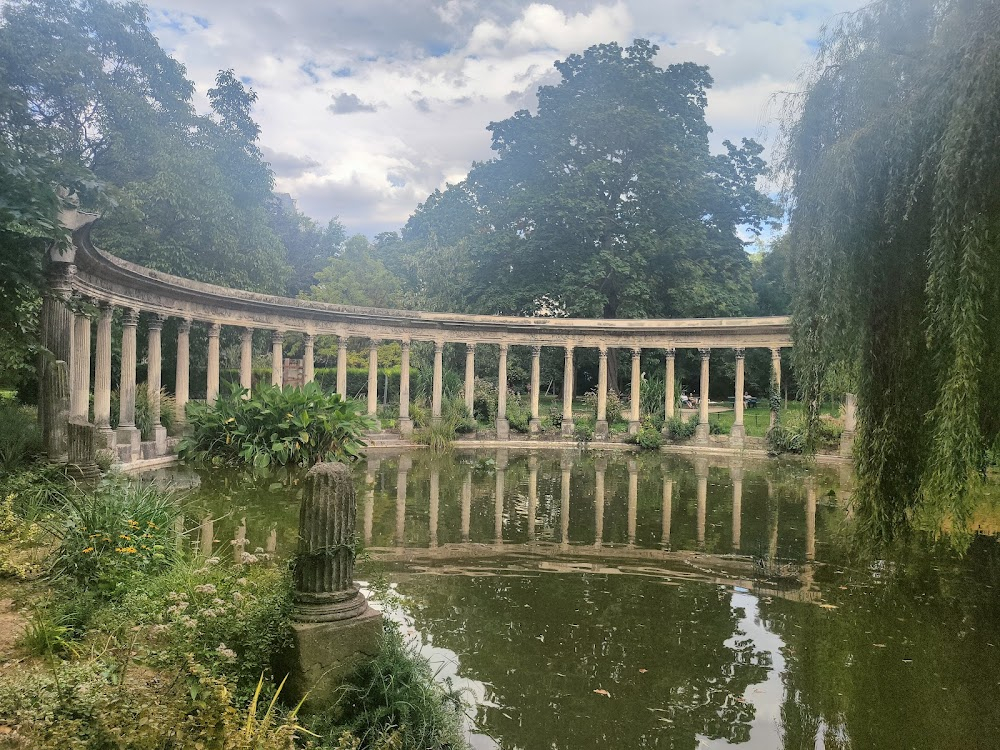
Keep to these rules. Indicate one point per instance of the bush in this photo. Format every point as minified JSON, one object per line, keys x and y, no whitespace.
{"x":676,"y":428}
{"x":20,"y":438}
{"x":457,"y":413}
{"x":652,"y":395}
{"x":112,"y":533}
{"x":782,"y":439}
{"x":583,"y":429}
{"x":275,"y":427}
{"x":615,"y":407}
{"x":143,"y":417}
{"x":484,"y":401}
{"x":518,"y":414}
{"x":438,"y":437}
{"x":394,"y":701}
{"x":648,"y":438}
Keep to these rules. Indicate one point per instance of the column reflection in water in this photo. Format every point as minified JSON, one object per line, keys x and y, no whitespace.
{"x":240,"y":542}
{"x":811,"y":518}
{"x":435,"y":497}
{"x":272,"y":541}
{"x":701,"y":472}
{"x":401,"y":470}
{"x":566,"y":465}
{"x":371,"y":470}
{"x":667,"y":510}
{"x":600,"y":466}
{"x":466,"y":504}
{"x":501,"y":475}
{"x":532,"y":495}
{"x":772,"y":507}
{"x":633,"y":499}
{"x":207,"y":532}
{"x":736,"y":473}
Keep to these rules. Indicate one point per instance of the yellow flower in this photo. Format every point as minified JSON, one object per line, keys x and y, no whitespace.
{"x":126,"y":550}
{"x":124,"y":536}
{"x":152,"y":525}
{"x":88,"y":550}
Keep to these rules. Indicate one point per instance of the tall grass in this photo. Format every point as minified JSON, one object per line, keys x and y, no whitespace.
{"x":20,"y":438}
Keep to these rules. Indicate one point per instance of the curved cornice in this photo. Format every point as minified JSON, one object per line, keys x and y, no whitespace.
{"x":103,"y":277}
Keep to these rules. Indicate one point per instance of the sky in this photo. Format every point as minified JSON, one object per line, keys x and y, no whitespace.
{"x":366,"y":108}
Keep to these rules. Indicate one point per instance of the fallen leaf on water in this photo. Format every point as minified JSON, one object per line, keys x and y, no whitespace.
{"x":643,"y":671}
{"x":828,"y":606}
{"x":603,"y":692}
{"x":879,"y":645}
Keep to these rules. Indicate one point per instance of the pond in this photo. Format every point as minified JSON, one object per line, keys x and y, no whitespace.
{"x":591,"y":600}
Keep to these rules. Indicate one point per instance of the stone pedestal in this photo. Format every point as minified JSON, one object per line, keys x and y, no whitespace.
{"x":567,"y":428}
{"x":160,"y":439}
{"x":129,"y":443}
{"x":503,"y":428}
{"x":737,"y":436}
{"x":601,"y":431}
{"x":701,"y":433}
{"x":82,"y":449}
{"x":535,"y":426}
{"x":405,"y":426}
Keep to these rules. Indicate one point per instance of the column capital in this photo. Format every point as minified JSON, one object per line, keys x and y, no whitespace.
{"x":342,"y":340}
{"x":775,"y":352}
{"x":308,"y":339}
{"x":741,"y":353}
{"x":569,"y":350}
{"x":156,"y":322}
{"x":106,"y":307}
{"x":131,"y":317}
{"x":277,"y":337}
{"x":470,"y":347}
{"x":705,"y":352}
{"x":246,"y":334}
{"x":602,"y":351}
{"x":374,"y":343}
{"x":405,"y":345}
{"x":438,"y":347}
{"x":670,"y":352}
{"x":536,"y":350}
{"x":636,"y":352}
{"x":184,"y":326}
{"x":503,"y":347}
{"x":214,"y":329}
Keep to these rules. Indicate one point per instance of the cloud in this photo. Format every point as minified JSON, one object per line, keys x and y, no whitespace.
{"x":345,"y":104}
{"x":429,"y":75}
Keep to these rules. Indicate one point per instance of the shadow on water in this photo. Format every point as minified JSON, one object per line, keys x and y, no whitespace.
{"x":589,"y":600}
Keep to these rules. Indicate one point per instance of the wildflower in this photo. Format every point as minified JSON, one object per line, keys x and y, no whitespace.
{"x":189,"y":622}
{"x":247,"y":559}
{"x":126,"y":550}
{"x":151,"y":525}
{"x":225,"y":652}
{"x":209,"y":613}
{"x":88,"y":550}
{"x":212,"y":561}
{"x":157,"y":629}
{"x":201,"y":571}
{"x":218,"y":602}
{"x":242,"y":581}
{"x":124,"y":536}
{"x":259,"y":551}
{"x":205,"y":588}
{"x":238,"y":597}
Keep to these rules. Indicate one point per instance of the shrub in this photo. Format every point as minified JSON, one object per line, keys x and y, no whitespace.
{"x":648,"y":438}
{"x":583,"y":429}
{"x":143,"y":417}
{"x":518,"y":414}
{"x":615,"y":407}
{"x":555,"y":416}
{"x":394,"y":701}
{"x":112,"y":533}
{"x":437,"y":436}
{"x":20,"y":438}
{"x":457,"y":413}
{"x":782,"y":439}
{"x":676,"y":428}
{"x":275,"y":427}
{"x":652,"y":394}
{"x":484,"y":401}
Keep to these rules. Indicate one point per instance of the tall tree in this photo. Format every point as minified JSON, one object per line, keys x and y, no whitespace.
{"x":895,"y":220}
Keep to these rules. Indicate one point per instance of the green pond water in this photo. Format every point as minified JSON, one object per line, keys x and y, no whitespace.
{"x":714,"y":604}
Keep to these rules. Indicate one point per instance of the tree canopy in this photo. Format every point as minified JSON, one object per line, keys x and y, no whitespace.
{"x":894,"y":172}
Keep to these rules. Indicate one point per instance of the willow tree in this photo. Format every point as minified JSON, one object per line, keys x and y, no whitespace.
{"x":894,"y":168}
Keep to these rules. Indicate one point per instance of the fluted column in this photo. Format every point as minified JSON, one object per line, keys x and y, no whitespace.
{"x":701,"y":472}
{"x":669,"y":398}
{"x":701,"y":434}
{"x":499,"y":497}
{"x":567,"y":418}
{"x":738,"y":433}
{"x":600,"y":466}
{"x":128,"y":434}
{"x":55,"y":359}
{"x":309,"y":358}
{"x":79,"y":405}
{"x":437,"y":383}
{"x":666,"y":509}
{"x":634,"y":398}
{"x":402,"y":469}
{"x":776,"y":377}
{"x":503,"y":426}
{"x":342,"y":366}
{"x":466,"y":505}
{"x":601,"y":428}
{"x":154,"y":380}
{"x":405,"y":423}
{"x":277,"y":359}
{"x":212,"y":385}
{"x":532,"y":495}
{"x":633,"y":499}
{"x":435,"y":500}
{"x":246,"y":358}
{"x":566,"y":465}
{"x":102,"y":377}
{"x":182,"y":382}
{"x":470,"y":375}
{"x":736,"y":473}
{"x":373,"y":377}
{"x":324,"y":567}
{"x":535,"y":425}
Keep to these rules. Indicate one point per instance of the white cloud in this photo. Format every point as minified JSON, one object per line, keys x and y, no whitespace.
{"x":365,"y":109}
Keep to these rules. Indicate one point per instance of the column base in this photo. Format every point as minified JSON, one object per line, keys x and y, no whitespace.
{"x":160,"y":440}
{"x":405,"y":426}
{"x":106,"y":439}
{"x":503,"y":428}
{"x":633,"y":428}
{"x":737,"y":436}
{"x":568,"y":428}
{"x":847,"y":443}
{"x":535,"y":426}
{"x":701,"y":433}
{"x":601,"y":431}
{"x":129,"y":443}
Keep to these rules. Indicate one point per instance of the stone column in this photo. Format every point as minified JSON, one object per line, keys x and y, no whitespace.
{"x":503,"y":426}
{"x":309,"y":358}
{"x":669,"y":399}
{"x":532,"y":495}
{"x":102,"y":378}
{"x":633,"y":499}
{"x":566,"y":465}
{"x":371,"y":467}
{"x":567,"y":420}
{"x":181,"y":384}
{"x":206,"y":536}
{"x":701,"y":472}
{"x":435,"y":493}
{"x":342,"y":366}
{"x":154,"y":379}
{"x":79,"y":407}
{"x":535,"y":425}
{"x":666,"y":509}
{"x":600,"y":466}
{"x":737,"y":434}
{"x":128,"y":433}
{"x":437,"y":383}
{"x":633,"y":421}
{"x":466,"y":505}
{"x":277,"y":359}
{"x":402,"y":469}
{"x":850,"y":424}
{"x":470,"y":375}
{"x":499,"y":497}
{"x":601,"y":428}
{"x":810,"y":519}
{"x":212,"y":381}
{"x":736,"y":473}
{"x":56,"y":328}
{"x":701,"y":434}
{"x":373,"y":376}
{"x":776,"y":370}
{"x":405,"y":423}
{"x":246,"y":359}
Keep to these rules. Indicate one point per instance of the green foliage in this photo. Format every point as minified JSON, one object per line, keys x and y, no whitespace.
{"x":113,"y":533}
{"x":455,"y":411}
{"x":275,"y":427}
{"x":784,"y":439}
{"x":677,"y":428}
{"x":484,"y":401}
{"x":143,"y":415}
{"x":652,"y":396}
{"x":20,"y":438}
{"x":649,"y":437}
{"x":394,"y":701}
{"x":47,"y":634}
{"x":518,"y":414}
{"x":438,"y":436}
{"x":615,"y":407}
{"x":583,"y":429}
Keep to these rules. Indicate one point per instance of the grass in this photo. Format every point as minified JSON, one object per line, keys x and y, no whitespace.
{"x":758,"y":419}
